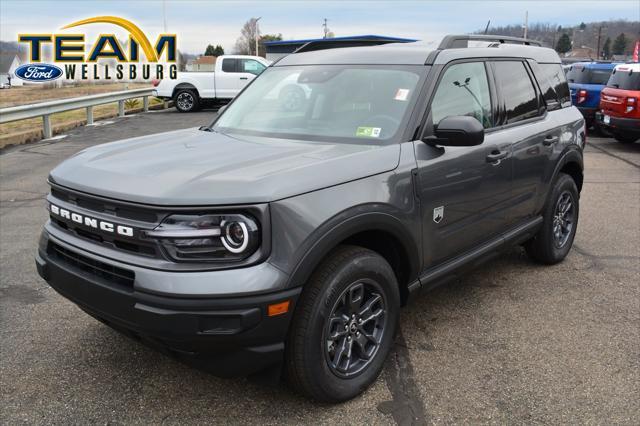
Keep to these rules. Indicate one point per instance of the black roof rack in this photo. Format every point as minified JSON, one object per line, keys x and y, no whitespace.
{"x":460,"y":41}
{"x":333,"y":44}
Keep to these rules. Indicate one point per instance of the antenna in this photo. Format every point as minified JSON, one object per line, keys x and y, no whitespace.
{"x":487,"y":27}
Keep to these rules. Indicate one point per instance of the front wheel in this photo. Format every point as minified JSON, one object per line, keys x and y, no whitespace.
{"x":560,"y":220}
{"x":344,"y":325}
{"x":186,"y":100}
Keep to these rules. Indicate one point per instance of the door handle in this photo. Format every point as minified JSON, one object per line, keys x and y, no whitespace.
{"x":496,"y":156}
{"x":244,"y":78}
{"x":550,"y":140}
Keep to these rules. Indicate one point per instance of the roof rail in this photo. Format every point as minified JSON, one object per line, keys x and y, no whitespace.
{"x":333,"y":44}
{"x":460,"y":41}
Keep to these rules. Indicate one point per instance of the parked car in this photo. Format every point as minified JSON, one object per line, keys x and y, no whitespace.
{"x":619,"y":109}
{"x":586,"y":81}
{"x":292,"y":236}
{"x":191,"y":89}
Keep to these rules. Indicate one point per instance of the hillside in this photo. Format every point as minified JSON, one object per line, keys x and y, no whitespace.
{"x":582,"y":35}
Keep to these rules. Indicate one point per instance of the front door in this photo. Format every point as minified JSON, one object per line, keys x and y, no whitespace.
{"x":463,"y":190}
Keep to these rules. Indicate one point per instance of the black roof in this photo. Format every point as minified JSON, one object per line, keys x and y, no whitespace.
{"x":419,"y":53}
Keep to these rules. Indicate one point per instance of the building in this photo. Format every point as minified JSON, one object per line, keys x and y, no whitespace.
{"x":202,"y":63}
{"x":583,"y":52}
{"x":277,"y":49}
{"x":8,"y":65}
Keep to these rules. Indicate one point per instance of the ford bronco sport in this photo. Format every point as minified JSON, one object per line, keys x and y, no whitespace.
{"x":619,"y":109}
{"x":586,"y":81}
{"x":288,"y":239}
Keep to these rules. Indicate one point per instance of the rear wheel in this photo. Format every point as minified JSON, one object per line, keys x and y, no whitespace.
{"x":186,"y":100}
{"x":625,"y":138}
{"x":344,"y":325}
{"x":555,"y":238}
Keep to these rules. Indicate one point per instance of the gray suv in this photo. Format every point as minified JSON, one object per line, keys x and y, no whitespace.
{"x":286,"y":236}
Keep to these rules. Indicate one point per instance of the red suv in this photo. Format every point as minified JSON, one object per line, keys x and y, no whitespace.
{"x":619,"y":109}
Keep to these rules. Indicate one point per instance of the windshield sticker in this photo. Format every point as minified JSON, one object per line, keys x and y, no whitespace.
{"x":402,"y":95}
{"x":368,"y":132}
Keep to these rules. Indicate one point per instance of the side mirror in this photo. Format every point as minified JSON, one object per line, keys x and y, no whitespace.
{"x":459,"y":130}
{"x":221,"y":109}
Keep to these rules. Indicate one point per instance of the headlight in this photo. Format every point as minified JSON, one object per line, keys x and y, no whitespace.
{"x":207,"y":238}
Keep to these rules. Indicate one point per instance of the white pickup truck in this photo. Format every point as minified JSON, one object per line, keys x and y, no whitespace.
{"x":191,"y":89}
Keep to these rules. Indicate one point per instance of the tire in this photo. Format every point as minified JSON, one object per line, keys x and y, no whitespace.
{"x":625,"y":138}
{"x":554,"y":239}
{"x":186,"y":100}
{"x":348,"y":273}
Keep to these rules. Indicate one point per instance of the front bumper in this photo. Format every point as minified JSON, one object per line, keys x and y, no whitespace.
{"x":626,"y":125}
{"x":229,"y":336}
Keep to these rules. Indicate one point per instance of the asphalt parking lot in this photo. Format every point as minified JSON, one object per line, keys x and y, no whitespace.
{"x":512,"y":342}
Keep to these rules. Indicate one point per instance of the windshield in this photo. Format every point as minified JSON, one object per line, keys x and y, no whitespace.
{"x":624,"y":78}
{"x":324,"y":102}
{"x":583,"y":75}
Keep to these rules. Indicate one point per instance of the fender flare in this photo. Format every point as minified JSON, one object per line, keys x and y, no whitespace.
{"x":572,"y":155}
{"x":348,"y":224}
{"x":184,"y":85}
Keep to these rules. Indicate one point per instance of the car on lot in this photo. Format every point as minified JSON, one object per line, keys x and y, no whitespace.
{"x":586,"y":81}
{"x":190,"y":90}
{"x":619,"y":110}
{"x":289,"y":238}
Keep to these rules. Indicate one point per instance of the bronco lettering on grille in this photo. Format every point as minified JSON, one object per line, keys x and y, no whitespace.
{"x":91,"y":222}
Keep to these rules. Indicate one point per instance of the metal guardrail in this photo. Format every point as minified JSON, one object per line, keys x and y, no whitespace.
{"x":45,"y":109}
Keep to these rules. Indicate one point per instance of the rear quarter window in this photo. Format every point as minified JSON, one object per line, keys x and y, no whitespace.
{"x":625,"y":79}
{"x":581,"y":74}
{"x":554,"y":86}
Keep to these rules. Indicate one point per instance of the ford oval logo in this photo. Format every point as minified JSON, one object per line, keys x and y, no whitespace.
{"x":38,"y":72}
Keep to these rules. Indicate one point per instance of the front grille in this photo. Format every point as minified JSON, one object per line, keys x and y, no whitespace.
{"x":95,"y":268}
{"x":112,"y":210}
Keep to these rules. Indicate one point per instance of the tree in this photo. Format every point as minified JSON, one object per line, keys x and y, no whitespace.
{"x":267,"y":37}
{"x":606,"y":49}
{"x":620,"y":44}
{"x":564,"y":43}
{"x":209,"y":51}
{"x":214,"y":51}
{"x":583,"y":25}
{"x":218,"y":51}
{"x":246,"y":43}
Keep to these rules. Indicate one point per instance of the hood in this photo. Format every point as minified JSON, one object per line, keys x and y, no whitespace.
{"x":192,"y":167}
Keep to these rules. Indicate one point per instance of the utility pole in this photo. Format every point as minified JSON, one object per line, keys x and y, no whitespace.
{"x":326,"y":28}
{"x":526,"y":23}
{"x":599,"y":35}
{"x":257,"y":34}
{"x":164,"y":15}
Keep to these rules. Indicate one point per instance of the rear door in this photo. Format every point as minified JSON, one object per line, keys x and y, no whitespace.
{"x":227,"y":79}
{"x":529,"y":130}
{"x":462,"y":190}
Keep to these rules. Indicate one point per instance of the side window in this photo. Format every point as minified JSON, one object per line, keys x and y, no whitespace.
{"x":518,"y":93}
{"x":463,"y":90}
{"x":553,"y":76}
{"x":251,"y":66}
{"x":229,"y":65}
